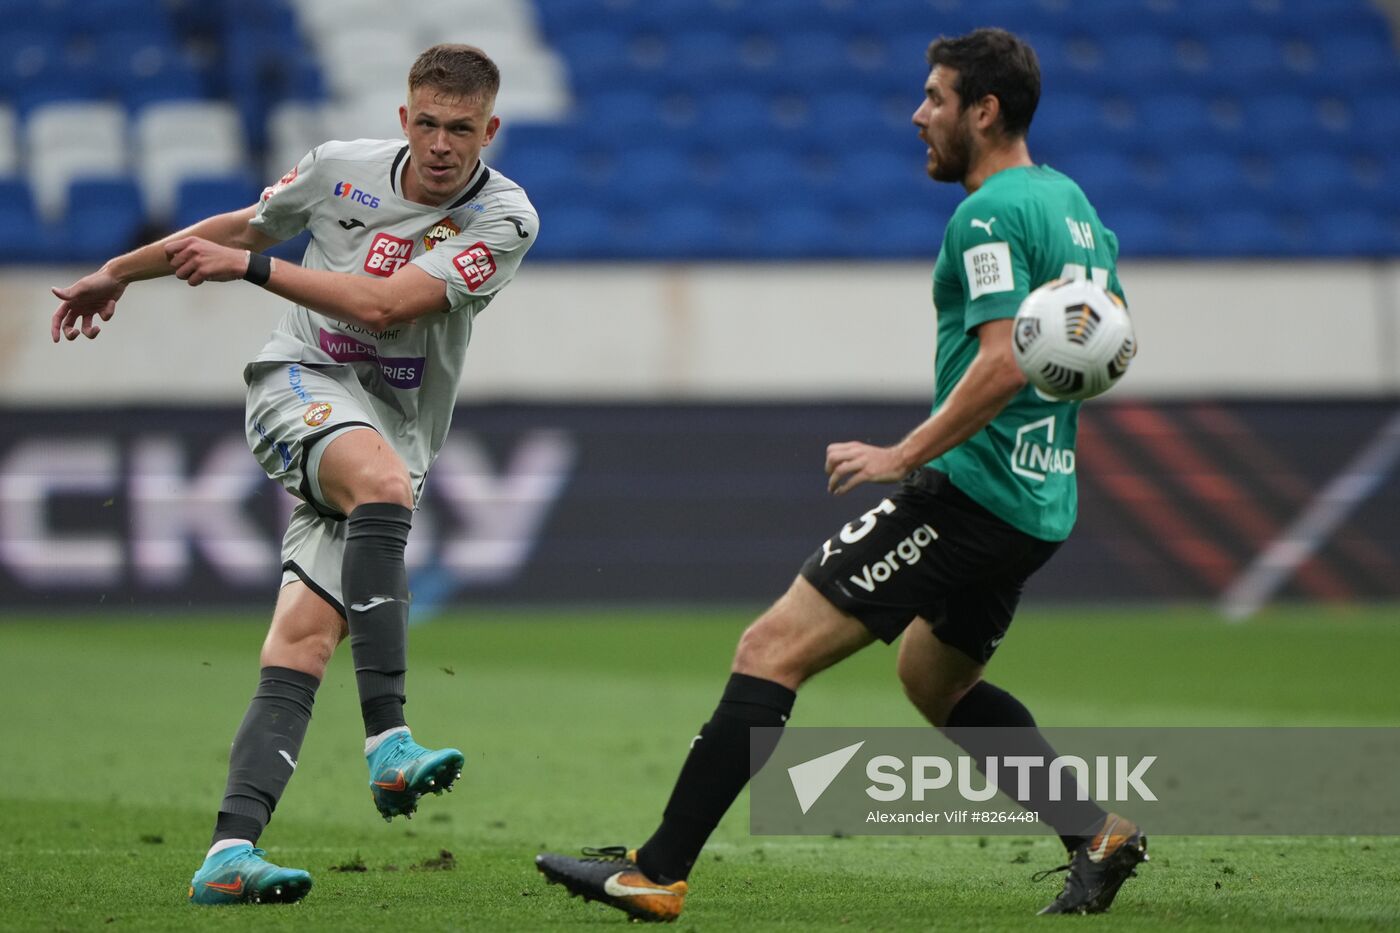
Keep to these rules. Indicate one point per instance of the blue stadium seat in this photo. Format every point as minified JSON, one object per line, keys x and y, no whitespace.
{"x":1254,"y":233}
{"x":1212,"y":180}
{"x":23,"y":237}
{"x":1140,"y":232}
{"x":577,"y":231}
{"x":913,"y":230}
{"x":105,"y":216}
{"x":690,"y":231}
{"x":650,"y":176}
{"x":1357,"y":58}
{"x":198,"y":198}
{"x":804,"y":232}
{"x":1108,"y":178}
{"x":1355,"y":233}
{"x":763,"y":177}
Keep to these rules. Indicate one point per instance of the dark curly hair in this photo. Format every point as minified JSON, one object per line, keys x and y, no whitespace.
{"x":993,"y":61}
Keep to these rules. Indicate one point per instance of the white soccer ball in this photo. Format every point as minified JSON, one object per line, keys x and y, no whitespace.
{"x":1073,"y":339}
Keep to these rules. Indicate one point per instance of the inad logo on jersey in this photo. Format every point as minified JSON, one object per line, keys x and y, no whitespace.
{"x":347,"y":191}
{"x":282,"y":182}
{"x":476,"y":264}
{"x":444,"y":229}
{"x":1036,"y":456}
{"x":317,"y":413}
{"x":386,"y":254}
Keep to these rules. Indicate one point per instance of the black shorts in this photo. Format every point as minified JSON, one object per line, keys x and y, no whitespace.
{"x":930,"y":551}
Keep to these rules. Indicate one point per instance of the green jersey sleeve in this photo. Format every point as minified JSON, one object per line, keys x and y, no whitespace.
{"x":990,"y":256}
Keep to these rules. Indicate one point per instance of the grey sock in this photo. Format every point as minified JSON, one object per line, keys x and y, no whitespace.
{"x":374,"y":584}
{"x":265,"y":751}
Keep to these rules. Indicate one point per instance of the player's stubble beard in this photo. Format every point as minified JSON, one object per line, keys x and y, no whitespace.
{"x":952,"y":157}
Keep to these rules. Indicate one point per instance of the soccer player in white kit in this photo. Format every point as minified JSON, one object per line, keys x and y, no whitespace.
{"x":348,"y":403}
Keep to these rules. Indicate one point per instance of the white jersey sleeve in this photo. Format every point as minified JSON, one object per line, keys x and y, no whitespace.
{"x":482,"y":259}
{"x":285,"y":208}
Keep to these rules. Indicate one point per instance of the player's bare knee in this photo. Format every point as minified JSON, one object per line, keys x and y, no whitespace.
{"x":932,"y":697}
{"x":764,"y":651}
{"x":308,"y":652}
{"x":382,"y":485}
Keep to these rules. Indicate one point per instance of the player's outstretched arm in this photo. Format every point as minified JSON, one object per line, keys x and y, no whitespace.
{"x":95,"y":295}
{"x":373,"y":303}
{"x":991,"y":381}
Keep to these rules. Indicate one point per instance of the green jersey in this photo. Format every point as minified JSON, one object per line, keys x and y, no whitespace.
{"x":1021,"y":229}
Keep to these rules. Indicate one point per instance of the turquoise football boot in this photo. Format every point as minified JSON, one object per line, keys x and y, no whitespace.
{"x":401,"y":771}
{"x":240,"y":875}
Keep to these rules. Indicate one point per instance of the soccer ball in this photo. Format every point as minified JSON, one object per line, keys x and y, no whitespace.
{"x":1073,"y":339}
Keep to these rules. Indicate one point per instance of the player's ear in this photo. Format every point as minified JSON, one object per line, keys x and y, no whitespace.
{"x":987,"y":112}
{"x":492,"y":126}
{"x":403,"y":120}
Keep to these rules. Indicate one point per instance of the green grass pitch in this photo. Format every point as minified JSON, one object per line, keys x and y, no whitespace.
{"x":574,"y":724}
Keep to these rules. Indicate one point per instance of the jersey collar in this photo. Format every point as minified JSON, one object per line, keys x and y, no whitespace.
{"x":478,"y":179}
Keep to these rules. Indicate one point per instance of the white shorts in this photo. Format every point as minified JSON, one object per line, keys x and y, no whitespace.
{"x":292,"y":409}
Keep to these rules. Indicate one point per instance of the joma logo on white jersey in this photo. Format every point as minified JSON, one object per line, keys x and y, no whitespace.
{"x":1036,"y":455}
{"x":909,"y":551}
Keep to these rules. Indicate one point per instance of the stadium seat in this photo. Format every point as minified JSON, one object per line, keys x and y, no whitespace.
{"x":1140,"y":232}
{"x":24,"y":236}
{"x":365,"y":59}
{"x":293,"y":129}
{"x":199,"y":197}
{"x":1373,"y":233}
{"x":183,"y":140}
{"x":104,"y":217}
{"x":64,"y":141}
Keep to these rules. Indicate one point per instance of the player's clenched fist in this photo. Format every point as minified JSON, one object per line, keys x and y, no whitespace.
{"x":196,"y":260}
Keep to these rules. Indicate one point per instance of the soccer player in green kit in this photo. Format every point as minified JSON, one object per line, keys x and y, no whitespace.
{"x":943,"y":559}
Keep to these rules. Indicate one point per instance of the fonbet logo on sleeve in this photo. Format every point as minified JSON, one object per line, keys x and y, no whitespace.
{"x":476,"y":264}
{"x":386,"y":254}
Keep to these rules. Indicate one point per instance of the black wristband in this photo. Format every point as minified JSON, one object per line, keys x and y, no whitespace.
{"x":259,"y":268}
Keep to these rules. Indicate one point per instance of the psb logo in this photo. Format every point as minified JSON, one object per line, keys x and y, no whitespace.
{"x":386,"y":254}
{"x":476,"y":265}
{"x":346,"y":191}
{"x":1036,"y":455}
{"x":444,"y":229}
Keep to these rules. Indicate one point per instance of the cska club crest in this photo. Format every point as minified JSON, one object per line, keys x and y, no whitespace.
{"x":444,"y":229}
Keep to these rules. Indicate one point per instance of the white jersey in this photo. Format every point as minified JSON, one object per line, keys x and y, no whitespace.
{"x":349,"y":195}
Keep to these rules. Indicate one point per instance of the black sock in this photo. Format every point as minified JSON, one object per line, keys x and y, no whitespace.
{"x":986,"y":706}
{"x":714,"y":772}
{"x":374,"y":584}
{"x":265,"y":752}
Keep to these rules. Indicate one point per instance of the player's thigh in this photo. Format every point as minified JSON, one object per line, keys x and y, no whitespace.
{"x":799,"y":636}
{"x":935,"y":674}
{"x":356,"y":467}
{"x":304,"y":632}
{"x":292,"y":411}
